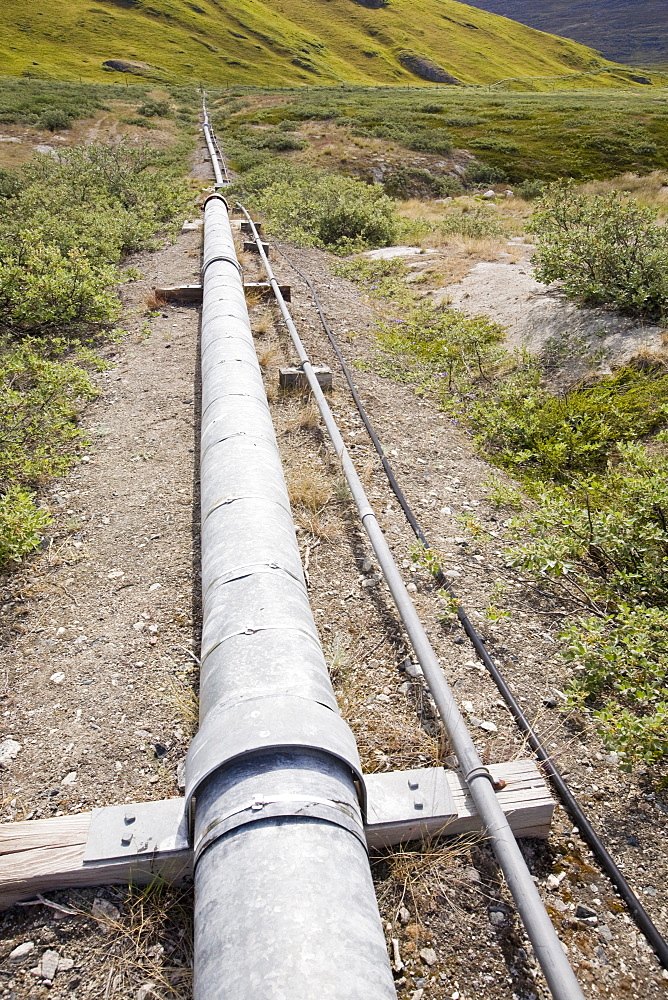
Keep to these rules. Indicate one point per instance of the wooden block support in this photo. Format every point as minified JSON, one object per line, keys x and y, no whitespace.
{"x":294,"y":378}
{"x":179,"y":293}
{"x":250,"y":246}
{"x":263,"y":290}
{"x":42,"y":855}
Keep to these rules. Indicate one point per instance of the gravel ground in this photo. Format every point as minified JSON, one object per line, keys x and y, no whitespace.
{"x":111,"y":603}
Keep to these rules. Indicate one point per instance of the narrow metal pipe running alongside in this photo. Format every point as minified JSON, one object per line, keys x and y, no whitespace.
{"x":549,"y":952}
{"x":284,"y":902}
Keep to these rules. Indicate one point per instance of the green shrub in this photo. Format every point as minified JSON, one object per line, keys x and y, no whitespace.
{"x":413,"y":182}
{"x":621,"y":677}
{"x":315,"y":208}
{"x":39,"y":404}
{"x":154,"y":109}
{"x":606,"y":251}
{"x":54,"y":119}
{"x":481,"y":173}
{"x":529,"y":190}
{"x":21,"y":524}
{"x":526,"y":428}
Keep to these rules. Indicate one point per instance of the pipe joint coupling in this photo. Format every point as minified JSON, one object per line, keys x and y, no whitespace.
{"x":276,"y":724}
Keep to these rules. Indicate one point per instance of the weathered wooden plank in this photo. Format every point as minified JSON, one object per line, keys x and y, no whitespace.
{"x":43,"y":855}
{"x":179,"y":293}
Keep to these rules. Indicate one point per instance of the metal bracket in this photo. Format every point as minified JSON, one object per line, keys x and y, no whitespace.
{"x":118,"y":832}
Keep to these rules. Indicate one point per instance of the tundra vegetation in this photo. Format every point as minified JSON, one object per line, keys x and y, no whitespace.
{"x":66,"y":223}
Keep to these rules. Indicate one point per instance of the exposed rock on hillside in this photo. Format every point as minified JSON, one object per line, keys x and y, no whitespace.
{"x":426,"y":68}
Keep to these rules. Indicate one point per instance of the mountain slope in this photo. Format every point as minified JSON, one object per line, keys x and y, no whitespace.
{"x":284,"y":42}
{"x":633,"y":31}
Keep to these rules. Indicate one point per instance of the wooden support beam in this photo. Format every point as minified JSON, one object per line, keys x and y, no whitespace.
{"x":294,"y":378}
{"x":135,"y":843}
{"x":179,"y":293}
{"x":263,"y":290}
{"x":250,"y":246}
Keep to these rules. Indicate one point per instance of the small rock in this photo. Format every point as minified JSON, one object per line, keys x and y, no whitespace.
{"x":417,"y":995}
{"x":489,"y":727}
{"x":115,"y":574}
{"x":145,"y":991}
{"x":413,"y":670}
{"x":429,"y":956}
{"x":601,"y":955}
{"x":605,"y":933}
{"x":48,"y":967}
{"x":104,"y":911}
{"x":154,"y":586}
{"x":9,"y":749}
{"x":411,"y":588}
{"x":550,"y":702}
{"x":509,"y":194}
{"x":69,"y":778}
{"x":451,"y":574}
{"x":367,"y":565}
{"x":21,"y":951}
{"x":65,"y":964}
{"x":404,"y":915}
{"x":382,"y":697}
{"x":181,"y":775}
{"x":554,"y":881}
{"x":497,"y":918}
{"x":58,"y":677}
{"x":584,"y":913}
{"x":160,"y":750}
{"x":489,"y":194}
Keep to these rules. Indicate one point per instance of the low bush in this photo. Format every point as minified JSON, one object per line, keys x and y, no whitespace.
{"x":54,"y":119}
{"x":605,"y":250}
{"x":21,"y":525}
{"x":481,"y":173}
{"x":315,"y":208}
{"x":412,"y":182}
{"x":524,"y":427}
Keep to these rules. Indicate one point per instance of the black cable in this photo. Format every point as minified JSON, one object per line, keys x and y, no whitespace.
{"x":570,"y":803}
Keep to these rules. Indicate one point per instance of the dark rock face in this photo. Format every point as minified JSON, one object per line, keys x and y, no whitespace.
{"x":426,"y":68}
{"x":124,"y":66}
{"x":372,"y":4}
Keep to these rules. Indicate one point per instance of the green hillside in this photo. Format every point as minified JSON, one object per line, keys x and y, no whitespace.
{"x":280,"y":43}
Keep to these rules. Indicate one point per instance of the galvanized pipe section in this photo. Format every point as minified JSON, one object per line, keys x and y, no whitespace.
{"x":546,"y":944}
{"x":284,"y":902}
{"x":208,"y":135}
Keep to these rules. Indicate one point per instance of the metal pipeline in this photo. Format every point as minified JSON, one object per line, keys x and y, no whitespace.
{"x":547,"y":947}
{"x":209,"y":137}
{"x":284,"y":902}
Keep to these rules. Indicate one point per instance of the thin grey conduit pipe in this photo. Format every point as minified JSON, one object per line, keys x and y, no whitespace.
{"x":547,"y":946}
{"x":284,"y":900}
{"x":640,"y":915}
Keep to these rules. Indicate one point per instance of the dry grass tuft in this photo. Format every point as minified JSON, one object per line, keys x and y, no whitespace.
{"x":263,"y":324}
{"x":268,"y":357}
{"x":308,"y":487}
{"x":151,"y":942}
{"x":154,"y":301}
{"x":306,"y":418}
{"x":414,"y":875}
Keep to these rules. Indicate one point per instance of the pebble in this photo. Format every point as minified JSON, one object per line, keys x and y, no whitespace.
{"x":48,"y":967}
{"x":69,"y":778}
{"x":452,"y":574}
{"x":404,"y":915}
{"x":497,"y":918}
{"x":411,"y":588}
{"x":417,"y":995}
{"x":429,"y":956}
{"x":105,"y":911}
{"x":489,"y":727}
{"x":21,"y":951}
{"x":181,"y":775}
{"x":413,"y":670}
{"x":9,"y":749}
{"x":489,"y":194}
{"x":367,"y":565}
{"x":155,"y":586}
{"x":145,"y":991}
{"x":605,"y":932}
{"x":58,"y":677}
